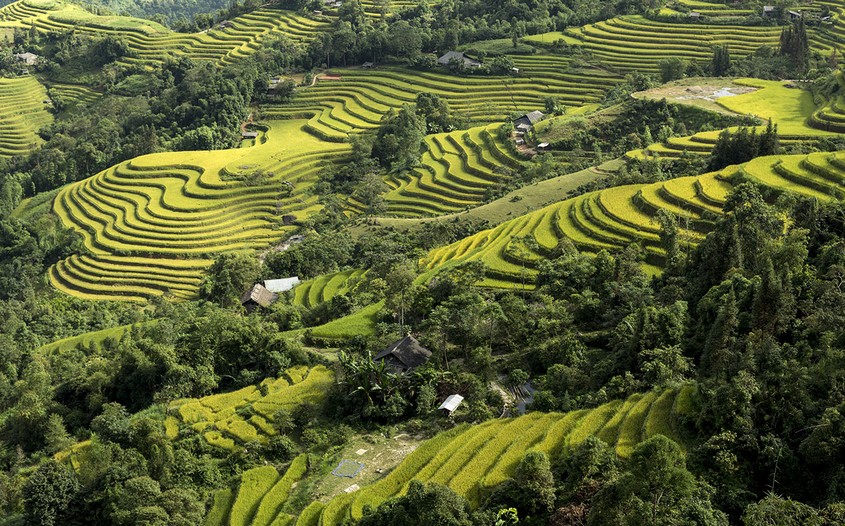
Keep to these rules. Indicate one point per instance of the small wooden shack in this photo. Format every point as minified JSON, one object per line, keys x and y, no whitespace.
{"x":528,"y":120}
{"x":460,"y":57}
{"x":258,"y":296}
{"x":405,"y":354}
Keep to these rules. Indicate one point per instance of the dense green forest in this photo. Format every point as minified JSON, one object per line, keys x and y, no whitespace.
{"x":557,"y":262}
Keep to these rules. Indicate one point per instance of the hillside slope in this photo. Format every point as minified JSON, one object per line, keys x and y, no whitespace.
{"x":471,"y":460}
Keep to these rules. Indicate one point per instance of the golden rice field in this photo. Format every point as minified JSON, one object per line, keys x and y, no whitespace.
{"x":352,"y":99}
{"x":455,"y":171}
{"x":24,"y":108}
{"x":259,"y":497}
{"x":151,"y":225}
{"x":150,"y":41}
{"x":635,"y":43}
{"x":470,"y":459}
{"x":614,"y":218}
{"x":792,"y":109}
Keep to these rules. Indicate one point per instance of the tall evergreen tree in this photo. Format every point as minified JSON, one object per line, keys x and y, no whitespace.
{"x":795,"y":44}
{"x":721,"y":61}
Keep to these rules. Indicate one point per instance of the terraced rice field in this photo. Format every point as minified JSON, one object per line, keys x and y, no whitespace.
{"x":473,"y":459}
{"x":635,"y":43}
{"x":218,"y":417}
{"x":791,"y":108}
{"x":614,"y":218}
{"x":831,"y":116}
{"x":357,"y":99}
{"x":153,"y":224}
{"x":88,"y":340}
{"x":323,"y":288}
{"x":259,"y":497}
{"x":23,"y":111}
{"x":455,"y":171}
{"x":604,"y":220}
{"x":830,"y":36}
{"x":708,"y":9}
{"x":150,"y":41}
{"x":73,"y":95}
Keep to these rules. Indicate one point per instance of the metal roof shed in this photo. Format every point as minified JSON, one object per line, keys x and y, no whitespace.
{"x":281,"y":285}
{"x":451,"y":403}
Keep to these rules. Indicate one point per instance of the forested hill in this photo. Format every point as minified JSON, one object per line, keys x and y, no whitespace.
{"x":417,"y":263}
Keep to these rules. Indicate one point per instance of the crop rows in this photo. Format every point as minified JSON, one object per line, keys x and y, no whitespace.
{"x":323,"y":288}
{"x":23,"y":111}
{"x":455,"y":171}
{"x":604,"y":220}
{"x":635,"y":43}
{"x":73,"y":94}
{"x":831,"y":116}
{"x":613,"y":218}
{"x":153,"y":224}
{"x":259,"y":497}
{"x":830,"y":36}
{"x":149,"y":41}
{"x":713,"y":10}
{"x":358,"y":99}
{"x":220,"y":418}
{"x":793,"y":110}
{"x":473,"y":459}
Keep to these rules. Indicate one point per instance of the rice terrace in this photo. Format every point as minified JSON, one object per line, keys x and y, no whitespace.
{"x":400,"y":262}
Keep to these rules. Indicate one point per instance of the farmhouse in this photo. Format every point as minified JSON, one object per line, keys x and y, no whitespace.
{"x":27,"y":58}
{"x":768,"y":10}
{"x":258,"y":296}
{"x":405,"y":354}
{"x":529,"y":119}
{"x":249,"y":135}
{"x":281,"y":285}
{"x":458,"y":56}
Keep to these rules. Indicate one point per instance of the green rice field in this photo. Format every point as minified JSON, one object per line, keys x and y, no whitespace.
{"x":219,"y":417}
{"x":259,"y":497}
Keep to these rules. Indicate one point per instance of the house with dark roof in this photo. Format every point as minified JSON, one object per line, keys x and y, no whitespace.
{"x":529,"y":119}
{"x":258,"y":296}
{"x":458,"y":56}
{"x":405,"y":354}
